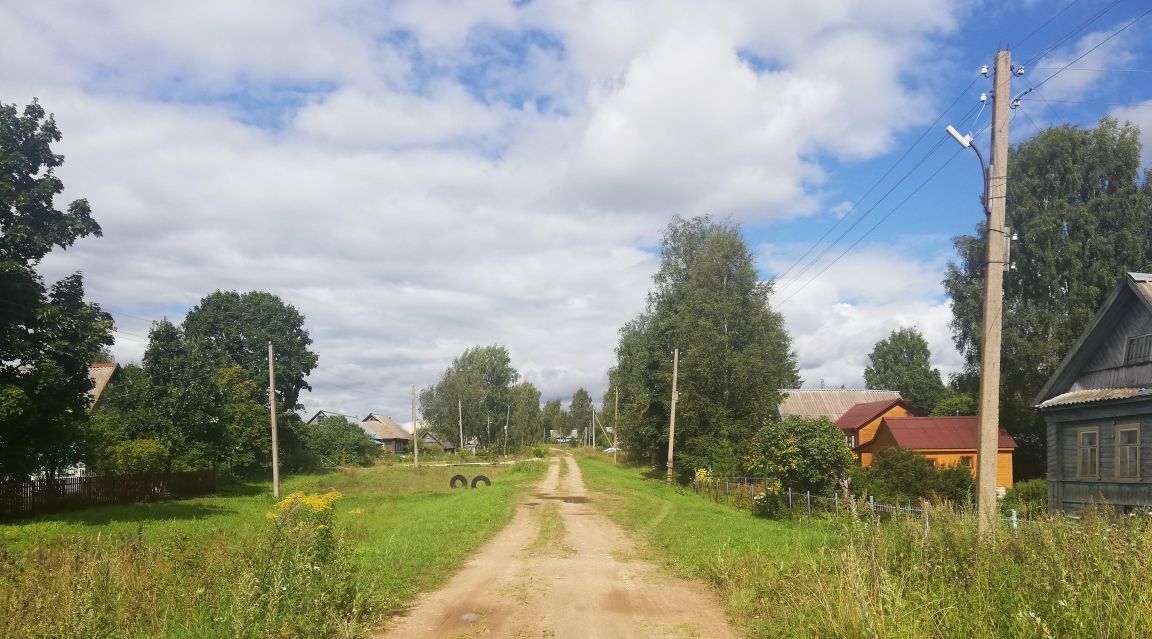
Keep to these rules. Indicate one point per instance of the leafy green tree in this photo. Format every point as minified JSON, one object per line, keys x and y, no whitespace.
{"x":338,"y":442}
{"x":1082,"y":209}
{"x":136,"y":456}
{"x":481,"y":380}
{"x":901,"y":362}
{"x":247,"y":442}
{"x":525,"y":425}
{"x":48,"y":335}
{"x":555,"y":418}
{"x":580,"y":413}
{"x":188,"y":404}
{"x":237,"y":328}
{"x":802,"y":454}
{"x":955,"y":404}
{"x":709,"y":302}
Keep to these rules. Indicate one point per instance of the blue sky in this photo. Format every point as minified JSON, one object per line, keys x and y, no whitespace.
{"x":418,"y":177}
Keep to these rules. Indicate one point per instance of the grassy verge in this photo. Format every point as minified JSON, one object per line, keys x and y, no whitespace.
{"x":237,"y":565}
{"x":895,"y":579}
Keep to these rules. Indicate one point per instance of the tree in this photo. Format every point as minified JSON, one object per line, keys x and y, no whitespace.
{"x":555,"y":418}
{"x":580,"y":414}
{"x":1082,"y":213}
{"x":481,"y":380}
{"x":955,"y":404}
{"x":335,"y":441}
{"x":48,"y":335}
{"x":900,"y":362}
{"x":525,"y":425}
{"x":237,"y":327}
{"x":802,"y":454}
{"x":709,"y":302}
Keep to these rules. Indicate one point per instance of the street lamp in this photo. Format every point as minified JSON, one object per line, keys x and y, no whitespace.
{"x":965,"y":140}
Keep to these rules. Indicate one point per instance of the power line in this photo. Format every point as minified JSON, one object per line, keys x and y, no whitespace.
{"x":1068,"y":36}
{"x":1083,"y":55}
{"x":781,"y":278}
{"x":1046,"y":22}
{"x":874,"y":226}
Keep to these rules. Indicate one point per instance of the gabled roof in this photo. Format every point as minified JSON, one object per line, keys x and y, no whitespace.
{"x":430,"y":437}
{"x":830,"y":403}
{"x":1137,"y":285}
{"x":1093,"y":395}
{"x":861,"y":414}
{"x":383,"y":427}
{"x":937,"y":433}
{"x":322,"y":414}
{"x":100,"y":374}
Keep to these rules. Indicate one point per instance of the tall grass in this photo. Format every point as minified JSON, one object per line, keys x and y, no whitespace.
{"x":244,"y":566}
{"x":857,"y":578}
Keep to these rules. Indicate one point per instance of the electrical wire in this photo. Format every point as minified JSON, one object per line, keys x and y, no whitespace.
{"x":1071,"y":34}
{"x":1046,"y":22}
{"x":1085,"y":54}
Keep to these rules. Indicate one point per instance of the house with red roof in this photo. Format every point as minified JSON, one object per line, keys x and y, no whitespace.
{"x":944,"y":441}
{"x":860,"y":422}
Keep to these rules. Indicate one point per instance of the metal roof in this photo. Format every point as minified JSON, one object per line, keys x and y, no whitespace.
{"x":383,"y":427}
{"x":100,"y":374}
{"x":861,"y":414}
{"x":830,"y":403}
{"x":938,"y":433}
{"x":1093,"y":395}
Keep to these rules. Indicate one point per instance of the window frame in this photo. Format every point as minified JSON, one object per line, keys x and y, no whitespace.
{"x":1122,"y":428}
{"x":1080,"y":447}
{"x":1147,"y":355}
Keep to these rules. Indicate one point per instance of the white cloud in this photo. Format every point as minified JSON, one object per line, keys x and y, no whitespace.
{"x":435,"y":176}
{"x":1139,"y":114}
{"x":837,"y":319}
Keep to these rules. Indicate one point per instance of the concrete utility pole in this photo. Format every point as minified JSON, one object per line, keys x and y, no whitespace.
{"x":275,"y":434}
{"x":672,"y":417}
{"x":507,"y":417}
{"x":616,"y":429}
{"x":995,"y":253}
{"x":593,"y":427}
{"x":460,"y":417}
{"x":415,"y":439}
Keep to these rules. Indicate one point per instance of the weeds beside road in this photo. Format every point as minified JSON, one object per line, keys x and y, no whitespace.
{"x":226,"y":566}
{"x":851,"y":578}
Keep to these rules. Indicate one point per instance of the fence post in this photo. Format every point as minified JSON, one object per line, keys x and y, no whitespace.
{"x":809,"y":495}
{"x":872,"y":503}
{"x":925,"y":511}
{"x":1015,"y":519}
{"x":789,"y":501}
{"x":836,"y":502}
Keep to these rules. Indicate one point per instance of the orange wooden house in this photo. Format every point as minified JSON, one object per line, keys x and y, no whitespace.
{"x":944,"y":441}
{"x":860,"y":423}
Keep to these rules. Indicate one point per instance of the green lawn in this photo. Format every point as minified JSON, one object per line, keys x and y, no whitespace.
{"x":177,"y":568}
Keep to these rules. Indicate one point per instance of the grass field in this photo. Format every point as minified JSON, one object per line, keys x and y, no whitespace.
{"x":187,"y":568}
{"x":892,"y":579}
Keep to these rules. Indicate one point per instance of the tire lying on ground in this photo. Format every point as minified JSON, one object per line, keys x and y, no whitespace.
{"x":481,"y":479}
{"x":459,"y":479}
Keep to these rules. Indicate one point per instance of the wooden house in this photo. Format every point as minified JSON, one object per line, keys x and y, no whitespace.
{"x":321,"y":415}
{"x":944,"y":441}
{"x":101,"y":375}
{"x":386,"y":432}
{"x":430,"y":441}
{"x":1098,"y":407}
{"x":828,"y":403}
{"x":860,"y":423}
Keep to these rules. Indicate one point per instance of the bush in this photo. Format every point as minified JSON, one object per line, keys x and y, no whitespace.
{"x":335,"y":441}
{"x":1027,"y":497}
{"x":135,"y":456}
{"x":898,"y":475}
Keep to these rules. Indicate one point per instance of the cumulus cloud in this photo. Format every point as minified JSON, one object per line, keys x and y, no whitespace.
{"x":420,"y":178}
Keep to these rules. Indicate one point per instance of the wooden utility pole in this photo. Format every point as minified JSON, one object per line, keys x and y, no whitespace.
{"x":995,"y":253}
{"x":275,"y":433}
{"x":507,"y":417}
{"x":415,"y":439}
{"x":672,"y":417}
{"x":616,"y":429}
{"x":593,"y":427}
{"x":460,"y":417}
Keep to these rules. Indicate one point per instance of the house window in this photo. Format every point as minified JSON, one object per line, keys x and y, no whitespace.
{"x":850,"y":440}
{"x":1128,"y":452}
{"x":933,"y":462}
{"x":967,"y":461}
{"x":1088,"y":452}
{"x":1139,"y":350}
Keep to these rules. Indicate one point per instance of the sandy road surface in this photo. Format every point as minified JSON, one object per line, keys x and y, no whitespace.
{"x":561,"y":569}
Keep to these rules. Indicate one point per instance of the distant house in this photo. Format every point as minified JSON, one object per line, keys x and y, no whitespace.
{"x":1098,"y":405}
{"x":828,"y":403}
{"x":321,"y":415}
{"x":472,"y":445}
{"x":430,"y":441}
{"x":944,"y":441}
{"x":101,"y":375}
{"x":386,"y":432}
{"x":860,"y":422}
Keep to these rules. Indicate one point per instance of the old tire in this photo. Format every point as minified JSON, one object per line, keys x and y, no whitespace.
{"x":481,"y":478}
{"x":459,"y":479}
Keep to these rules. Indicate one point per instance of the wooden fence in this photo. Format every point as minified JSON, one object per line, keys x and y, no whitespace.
{"x":22,"y":499}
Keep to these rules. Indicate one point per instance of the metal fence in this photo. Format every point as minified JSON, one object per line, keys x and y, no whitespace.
{"x":21,"y":499}
{"x":744,"y":492}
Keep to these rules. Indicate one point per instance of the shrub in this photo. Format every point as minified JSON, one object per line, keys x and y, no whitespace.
{"x":802,"y":454}
{"x":899,"y":475}
{"x":1027,"y":497}
{"x":136,"y":456}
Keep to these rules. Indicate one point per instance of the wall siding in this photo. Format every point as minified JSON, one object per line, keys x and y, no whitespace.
{"x":1068,"y":492}
{"x":1106,"y":369}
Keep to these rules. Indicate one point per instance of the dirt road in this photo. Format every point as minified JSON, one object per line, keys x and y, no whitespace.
{"x":560,"y":569}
